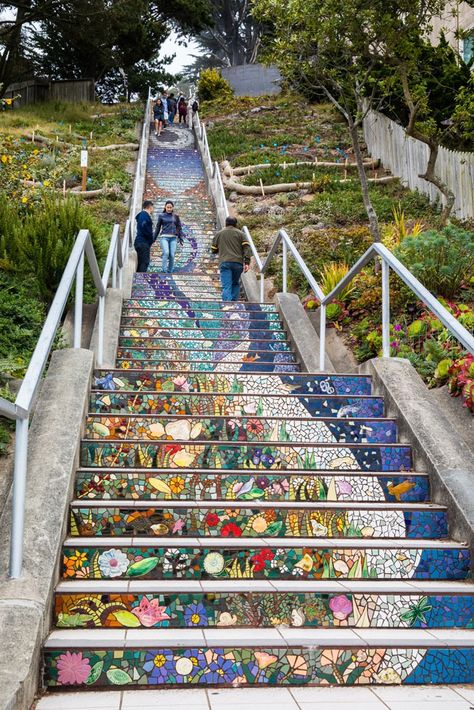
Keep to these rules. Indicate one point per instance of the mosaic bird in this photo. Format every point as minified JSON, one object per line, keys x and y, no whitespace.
{"x":399,"y":490}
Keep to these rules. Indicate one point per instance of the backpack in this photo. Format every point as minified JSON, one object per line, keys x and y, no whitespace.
{"x":195,"y":106}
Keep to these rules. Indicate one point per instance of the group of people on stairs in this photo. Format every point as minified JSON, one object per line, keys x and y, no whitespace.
{"x":166,"y":108}
{"x":229,"y":244}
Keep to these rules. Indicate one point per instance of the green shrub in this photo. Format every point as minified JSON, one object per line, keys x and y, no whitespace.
{"x":42,"y":242}
{"x":213,"y":86}
{"x":440,"y":260}
{"x":22,"y":316}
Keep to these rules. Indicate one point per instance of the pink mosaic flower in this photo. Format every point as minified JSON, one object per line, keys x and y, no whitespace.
{"x":150,"y":613}
{"x":341,"y":606}
{"x":73,"y":669}
{"x":182,"y":383}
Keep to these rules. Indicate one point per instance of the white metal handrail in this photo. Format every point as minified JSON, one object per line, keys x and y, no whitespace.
{"x":20,"y":410}
{"x":389,"y":261}
{"x":376,"y":250}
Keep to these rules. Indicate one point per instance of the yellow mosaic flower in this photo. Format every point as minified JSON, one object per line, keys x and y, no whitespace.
{"x":177,"y":484}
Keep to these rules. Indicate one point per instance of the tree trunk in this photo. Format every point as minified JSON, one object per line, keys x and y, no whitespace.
{"x":369,"y":208}
{"x":11,"y":49}
{"x":430,"y":176}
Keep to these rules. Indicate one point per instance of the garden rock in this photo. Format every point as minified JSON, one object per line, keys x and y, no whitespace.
{"x":233,"y":197}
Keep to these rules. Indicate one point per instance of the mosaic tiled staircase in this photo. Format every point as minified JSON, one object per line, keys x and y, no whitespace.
{"x":237,"y":521}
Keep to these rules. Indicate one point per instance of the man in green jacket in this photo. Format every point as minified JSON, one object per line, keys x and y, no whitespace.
{"x":234,"y":257}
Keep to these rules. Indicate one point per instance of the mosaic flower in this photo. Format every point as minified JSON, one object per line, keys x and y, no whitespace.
{"x":113,"y":563}
{"x":263,"y":482}
{"x":220,"y":669}
{"x":73,"y":669}
{"x":298,"y":665}
{"x":259,"y":524}
{"x":176,"y":484}
{"x":158,"y":665}
{"x":212,"y":520}
{"x":254,"y":426}
{"x":227,"y":619}
{"x":195,"y":615}
{"x":182,"y":383}
{"x":77,"y":559}
{"x":150,"y":613}
{"x":341,"y":607}
{"x":214,"y":563}
{"x":264,"y":659}
{"x":231,"y":530}
{"x":259,"y":560}
{"x":183,"y":459}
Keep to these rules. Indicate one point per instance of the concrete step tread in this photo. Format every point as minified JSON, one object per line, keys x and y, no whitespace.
{"x":303,"y":375}
{"x":278,"y":637}
{"x":289,"y":542}
{"x":256,"y":505}
{"x":250,"y":444}
{"x":230,"y":586}
{"x":239,"y":472}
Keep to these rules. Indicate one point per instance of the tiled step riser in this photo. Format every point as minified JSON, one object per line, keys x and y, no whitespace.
{"x":271,"y":486}
{"x":131,"y":454}
{"x":163,"y":355}
{"x":241,"y":429}
{"x":236,"y":405}
{"x":243,"y":561}
{"x":213,"y":334}
{"x":238,"y":346}
{"x":248,"y":522}
{"x":185,"y":323}
{"x":201,"y":316}
{"x":206,"y":365}
{"x":262,"y":610}
{"x":297,"y":384}
{"x":267,"y":665}
{"x":255,"y":309}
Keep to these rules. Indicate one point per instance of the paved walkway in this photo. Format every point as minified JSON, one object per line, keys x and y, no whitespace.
{"x":381,"y":698}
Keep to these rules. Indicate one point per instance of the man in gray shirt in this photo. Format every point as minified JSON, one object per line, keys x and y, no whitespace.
{"x":234,"y":257}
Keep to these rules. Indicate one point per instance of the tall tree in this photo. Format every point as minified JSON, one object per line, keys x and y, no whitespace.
{"x":333,"y":48}
{"x":233,"y":38}
{"x":98,"y":38}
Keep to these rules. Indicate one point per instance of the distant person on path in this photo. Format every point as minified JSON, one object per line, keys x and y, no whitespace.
{"x":195,"y":107}
{"x":172,"y":105}
{"x":234,"y":257}
{"x":164,"y":98}
{"x":144,"y":237}
{"x":182,"y":110}
{"x":158,"y":116}
{"x":169,"y":224}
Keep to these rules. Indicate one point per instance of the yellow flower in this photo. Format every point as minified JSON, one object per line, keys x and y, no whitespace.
{"x":46,"y":183}
{"x":8,"y":101}
{"x":24,"y":200}
{"x":4,"y":158}
{"x":177,"y":484}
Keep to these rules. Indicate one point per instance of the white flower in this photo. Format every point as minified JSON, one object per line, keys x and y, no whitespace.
{"x":214,"y":563}
{"x":184,"y":666}
{"x":113,"y":563}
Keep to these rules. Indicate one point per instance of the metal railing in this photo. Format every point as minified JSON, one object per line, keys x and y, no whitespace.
{"x":375,"y":251}
{"x":20,"y":410}
{"x":389,"y":262}
{"x":140,"y":169}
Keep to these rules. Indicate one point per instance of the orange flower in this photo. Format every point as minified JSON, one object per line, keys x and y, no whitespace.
{"x":264,"y":659}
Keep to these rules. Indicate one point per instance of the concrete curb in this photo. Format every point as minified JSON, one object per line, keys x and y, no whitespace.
{"x":26,"y":603}
{"x":300,"y":331}
{"x":113,"y":315}
{"x":436,"y":446}
{"x":251,"y":287}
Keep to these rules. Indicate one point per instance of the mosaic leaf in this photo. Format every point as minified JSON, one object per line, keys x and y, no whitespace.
{"x":94,"y":675}
{"x":142,"y":567}
{"x":126,"y":618}
{"x":118,"y":676}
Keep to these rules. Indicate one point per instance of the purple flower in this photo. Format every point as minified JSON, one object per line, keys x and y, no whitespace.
{"x":195,"y":615}
{"x":263,"y":482}
{"x":394,"y":344}
{"x":397,"y":327}
{"x":158,"y":664}
{"x":268,"y":460}
{"x":256,"y":456}
{"x":221,"y":670}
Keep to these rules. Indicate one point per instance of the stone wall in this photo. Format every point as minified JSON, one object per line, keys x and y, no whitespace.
{"x":253,"y":79}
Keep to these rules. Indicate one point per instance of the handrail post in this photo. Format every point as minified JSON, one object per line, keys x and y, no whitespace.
{"x":385,"y":308}
{"x":114,"y":263}
{"x":285,"y":267}
{"x":100,"y":344}
{"x":322,"y":337}
{"x":78,"y":303}
{"x":262,"y":287}
{"x":19,"y":490}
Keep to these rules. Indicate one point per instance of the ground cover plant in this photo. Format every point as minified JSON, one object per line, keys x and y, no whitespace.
{"x":328,"y":224}
{"x":40,"y":217}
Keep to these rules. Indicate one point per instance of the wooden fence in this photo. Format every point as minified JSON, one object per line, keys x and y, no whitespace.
{"x":407,"y":158}
{"x":37,"y":90}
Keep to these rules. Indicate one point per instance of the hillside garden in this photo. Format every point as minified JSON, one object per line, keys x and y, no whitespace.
{"x":324,"y":214}
{"x":40,"y":214}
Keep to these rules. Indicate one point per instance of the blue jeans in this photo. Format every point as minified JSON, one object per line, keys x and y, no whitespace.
{"x":231,"y":272}
{"x":143,"y":256}
{"x":168,"y":246}
{"x":171,"y":116}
